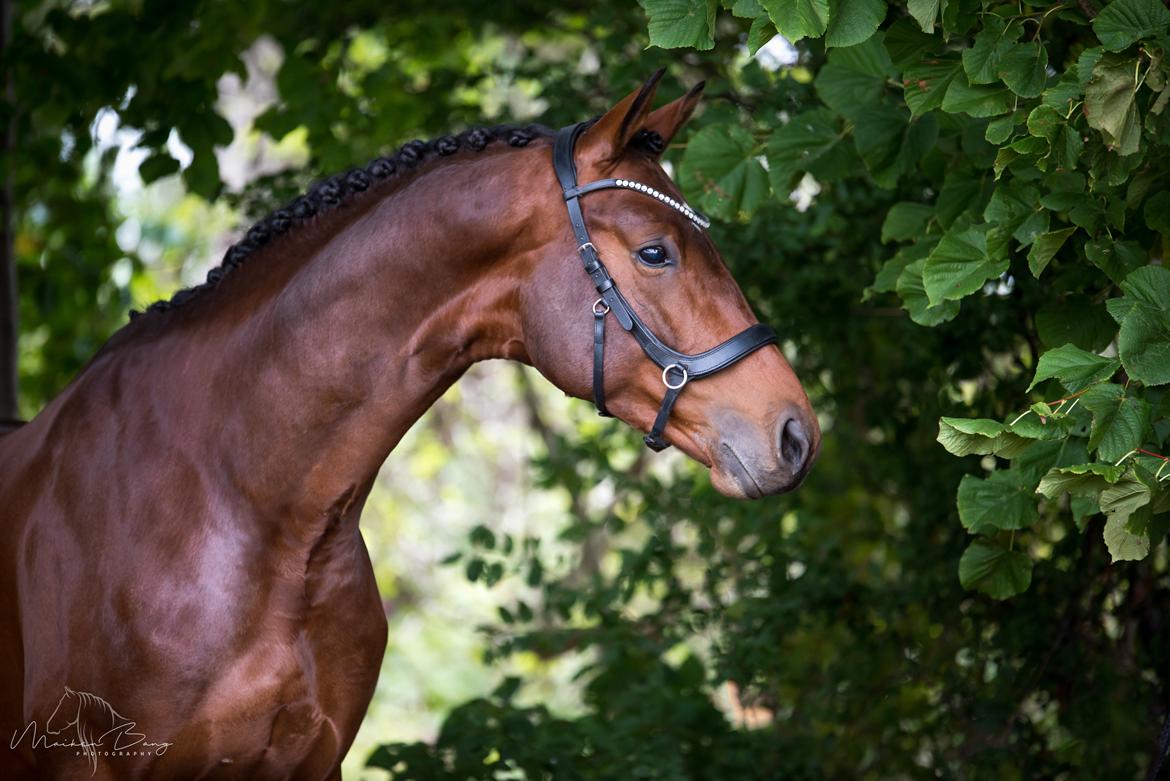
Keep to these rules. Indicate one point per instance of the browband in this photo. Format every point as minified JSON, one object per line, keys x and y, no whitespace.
{"x":677,"y":368}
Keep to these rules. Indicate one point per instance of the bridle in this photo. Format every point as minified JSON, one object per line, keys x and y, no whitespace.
{"x":677,"y":368}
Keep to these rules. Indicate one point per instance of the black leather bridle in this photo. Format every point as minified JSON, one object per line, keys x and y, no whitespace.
{"x":677,"y":368}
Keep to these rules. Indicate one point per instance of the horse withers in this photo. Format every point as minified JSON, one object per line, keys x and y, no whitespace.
{"x":179,"y":540}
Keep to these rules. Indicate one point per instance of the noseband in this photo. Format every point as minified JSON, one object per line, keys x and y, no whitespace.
{"x":677,"y":368}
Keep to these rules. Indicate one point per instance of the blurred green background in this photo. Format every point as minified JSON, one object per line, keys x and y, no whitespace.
{"x":562,"y":603}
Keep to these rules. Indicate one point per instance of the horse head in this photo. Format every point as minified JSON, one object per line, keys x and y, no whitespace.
{"x":747,"y":418}
{"x":67,"y":713}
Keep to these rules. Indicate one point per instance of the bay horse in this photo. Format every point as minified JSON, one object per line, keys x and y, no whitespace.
{"x":179,"y":533}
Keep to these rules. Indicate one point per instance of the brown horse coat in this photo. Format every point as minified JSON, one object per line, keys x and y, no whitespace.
{"x":179,"y":539}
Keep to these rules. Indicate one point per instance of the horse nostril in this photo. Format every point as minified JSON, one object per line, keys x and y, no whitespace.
{"x":794,"y":444}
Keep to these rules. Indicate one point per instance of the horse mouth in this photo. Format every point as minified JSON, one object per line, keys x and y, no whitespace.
{"x":740,"y":473}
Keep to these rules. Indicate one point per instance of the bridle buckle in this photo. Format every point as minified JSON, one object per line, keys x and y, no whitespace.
{"x":600,"y":312}
{"x":666,"y":376}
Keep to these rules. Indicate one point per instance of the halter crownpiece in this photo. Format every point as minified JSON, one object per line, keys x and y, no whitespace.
{"x":677,"y":368}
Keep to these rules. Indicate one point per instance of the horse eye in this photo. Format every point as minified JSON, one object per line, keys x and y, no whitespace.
{"x":654,"y":255}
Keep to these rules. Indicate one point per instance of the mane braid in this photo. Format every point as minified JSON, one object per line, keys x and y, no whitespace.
{"x":330,"y":193}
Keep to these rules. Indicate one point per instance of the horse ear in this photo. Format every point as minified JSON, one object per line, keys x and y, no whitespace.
{"x":667,"y":120}
{"x":607,"y":139}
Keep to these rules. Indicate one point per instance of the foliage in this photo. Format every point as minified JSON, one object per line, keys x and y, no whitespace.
{"x":1023,"y":142}
{"x":988,"y":220}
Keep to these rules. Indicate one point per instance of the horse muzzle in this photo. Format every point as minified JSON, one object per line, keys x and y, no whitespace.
{"x":750,"y":463}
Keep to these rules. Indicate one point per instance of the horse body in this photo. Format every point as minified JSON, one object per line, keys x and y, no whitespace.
{"x":252,"y":631}
{"x":180,"y":531}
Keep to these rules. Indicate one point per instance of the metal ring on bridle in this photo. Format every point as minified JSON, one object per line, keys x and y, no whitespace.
{"x":587,"y":244}
{"x":600,"y":312}
{"x":666,"y":375}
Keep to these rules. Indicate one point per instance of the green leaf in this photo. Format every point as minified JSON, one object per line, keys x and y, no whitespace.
{"x":1024,"y":69}
{"x":1119,"y":424}
{"x":1042,"y":456}
{"x":1125,"y":497}
{"x":157,"y":166}
{"x":1033,"y":226}
{"x":854,"y":77}
{"x":1109,"y":103}
{"x":202,"y":176}
{"x":981,"y":59}
{"x":1067,"y":148}
{"x":925,"y":12}
{"x":925,"y":85}
{"x":913,"y":294}
{"x":963,"y":190}
{"x":1079,"y":480}
{"x":905,"y":221}
{"x":997,"y":572}
{"x":1076,"y":320}
{"x":906,"y":44}
{"x":1045,"y":247}
{"x":762,"y":31}
{"x":1123,"y":22}
{"x":746,"y":9}
{"x":960,"y":264}
{"x":1045,"y":122}
{"x":889,"y":144}
{"x":1000,"y":129}
{"x":1065,"y":93}
{"x":1011,"y":203}
{"x":869,"y":57}
{"x":847,"y":91}
{"x":675,"y":24}
{"x":1075,"y":368}
{"x":1126,"y":525}
{"x":796,"y":19}
{"x":1144,"y":341}
{"x":1125,"y":539}
{"x":794,"y":147}
{"x":1157,"y":212}
{"x":977,"y":101}
{"x":886,"y":280}
{"x":720,"y":165}
{"x":974,"y":436}
{"x":1003,"y":159}
{"x":853,"y":21}
{"x":1116,"y":259}
{"x":1083,"y":508}
{"x":1001,"y":502}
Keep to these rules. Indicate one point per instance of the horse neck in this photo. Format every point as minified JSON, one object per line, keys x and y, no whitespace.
{"x":314,"y":373}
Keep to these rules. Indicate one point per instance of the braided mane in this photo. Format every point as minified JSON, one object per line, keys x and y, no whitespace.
{"x":343,"y":188}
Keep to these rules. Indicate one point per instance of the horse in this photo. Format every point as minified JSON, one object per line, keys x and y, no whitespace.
{"x":180,"y":525}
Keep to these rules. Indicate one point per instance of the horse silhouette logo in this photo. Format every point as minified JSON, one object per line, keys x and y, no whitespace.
{"x":92,"y":728}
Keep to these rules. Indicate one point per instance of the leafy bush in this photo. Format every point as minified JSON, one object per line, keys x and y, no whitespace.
{"x":1027,"y":145}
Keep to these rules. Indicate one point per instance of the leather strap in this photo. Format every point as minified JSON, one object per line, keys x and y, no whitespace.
{"x":654,"y":439}
{"x":599,"y":361}
{"x":695,"y":366}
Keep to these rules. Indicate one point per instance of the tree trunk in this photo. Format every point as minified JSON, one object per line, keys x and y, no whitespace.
{"x":8,"y":299}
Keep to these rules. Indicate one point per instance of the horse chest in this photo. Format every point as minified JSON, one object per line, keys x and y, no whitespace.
{"x":287,"y":698}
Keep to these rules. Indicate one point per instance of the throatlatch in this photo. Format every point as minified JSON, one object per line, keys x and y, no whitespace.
{"x":677,"y":368}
